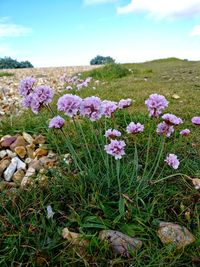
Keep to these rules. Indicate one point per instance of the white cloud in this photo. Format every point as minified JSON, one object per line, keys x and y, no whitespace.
{"x":163,"y":9}
{"x":94,"y":2}
{"x":8,"y":29}
{"x":195,"y":31}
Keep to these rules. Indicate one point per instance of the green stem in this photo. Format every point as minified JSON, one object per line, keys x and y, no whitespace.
{"x":118,"y":176}
{"x":170,"y":176}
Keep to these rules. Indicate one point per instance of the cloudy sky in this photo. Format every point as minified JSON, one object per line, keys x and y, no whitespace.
{"x":72,"y":32}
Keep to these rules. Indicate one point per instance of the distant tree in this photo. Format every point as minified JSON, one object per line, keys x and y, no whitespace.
{"x":100,"y":60}
{"x":9,"y":63}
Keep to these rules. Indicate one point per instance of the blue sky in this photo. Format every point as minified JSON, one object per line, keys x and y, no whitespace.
{"x":72,"y":32}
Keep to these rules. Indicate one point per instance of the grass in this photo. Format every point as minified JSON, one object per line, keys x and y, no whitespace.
{"x":6,"y":74}
{"x":87,"y":201}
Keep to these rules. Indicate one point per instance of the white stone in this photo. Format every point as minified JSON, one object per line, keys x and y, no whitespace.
{"x":3,"y":153}
{"x":10,"y":170}
{"x":10,"y":153}
{"x":30,"y":172}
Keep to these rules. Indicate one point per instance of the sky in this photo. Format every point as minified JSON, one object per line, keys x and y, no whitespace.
{"x":71,"y":32}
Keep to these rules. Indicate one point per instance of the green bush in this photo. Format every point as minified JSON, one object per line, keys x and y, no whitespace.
{"x":100,"y":60}
{"x":9,"y":63}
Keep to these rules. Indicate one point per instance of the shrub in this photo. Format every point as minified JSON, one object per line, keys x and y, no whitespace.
{"x":9,"y":63}
{"x":108,"y":72}
{"x":100,"y":60}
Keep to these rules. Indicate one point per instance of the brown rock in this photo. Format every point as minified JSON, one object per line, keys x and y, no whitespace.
{"x":18,"y":176}
{"x":4,"y":163}
{"x":40,"y":152}
{"x":40,"y":139}
{"x":5,"y":143}
{"x":21,"y":151}
{"x":18,"y":142}
{"x":27,"y":178}
{"x":120,"y":243}
{"x":30,"y":150}
{"x":28,"y":138}
{"x":171,"y":233}
{"x":35,"y":164}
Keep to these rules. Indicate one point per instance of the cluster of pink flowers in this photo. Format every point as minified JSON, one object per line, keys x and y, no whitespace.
{"x":75,"y":82}
{"x":115,"y":148}
{"x":134,"y":128}
{"x":156,"y":104}
{"x":56,"y":122}
{"x":91,"y":107}
{"x":172,"y":161}
{"x":166,"y":128}
{"x":196,"y":120}
{"x":112,"y":133}
{"x":35,"y":97}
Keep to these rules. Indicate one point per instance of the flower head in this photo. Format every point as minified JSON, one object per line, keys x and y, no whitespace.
{"x":69,"y":87}
{"x":196,"y":120}
{"x":125,"y":103}
{"x":134,"y":128}
{"x":69,"y":104}
{"x":185,"y":132}
{"x":171,"y":119}
{"x":115,"y":148}
{"x":57,"y":122}
{"x":44,"y":94}
{"x":164,"y":129}
{"x":112,"y":133}
{"x":156,"y":104}
{"x":91,"y":107}
{"x":26,"y":86}
{"x":108,"y":108}
{"x":172,"y":161}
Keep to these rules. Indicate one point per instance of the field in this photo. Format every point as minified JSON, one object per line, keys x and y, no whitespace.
{"x":90,"y":191}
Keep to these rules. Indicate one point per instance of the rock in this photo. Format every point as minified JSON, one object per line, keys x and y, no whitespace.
{"x":3,"y":153}
{"x":28,"y":160}
{"x":4,"y":163}
{"x":30,"y":172}
{"x":35,"y":164}
{"x":10,"y":170}
{"x":18,"y":142}
{"x":175,"y":96}
{"x":8,"y":141}
{"x":120,"y":243}
{"x":171,"y":233}
{"x":10,"y":153}
{"x":40,"y":139}
{"x":30,"y":150}
{"x":18,"y":176}
{"x":50,"y":212}
{"x":40,"y":152}
{"x":28,"y":138}
{"x":74,"y":238}
{"x":47,"y":163}
{"x":21,"y":151}
{"x":20,"y":164}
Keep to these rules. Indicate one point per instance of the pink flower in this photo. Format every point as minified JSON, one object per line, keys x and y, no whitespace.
{"x":26,"y":86}
{"x":91,"y":107}
{"x":108,"y":108}
{"x":69,"y":104}
{"x":164,"y":129}
{"x":112,"y":133}
{"x":171,"y":119}
{"x":172,"y":161}
{"x":125,"y":103}
{"x":115,"y":148}
{"x":57,"y":122}
{"x":196,"y":120}
{"x":156,"y":104}
{"x":185,"y":132}
{"x":44,"y":94}
{"x":134,"y":128}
